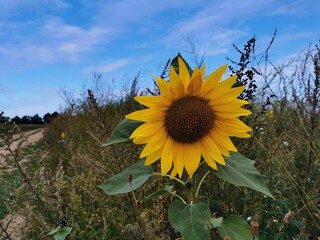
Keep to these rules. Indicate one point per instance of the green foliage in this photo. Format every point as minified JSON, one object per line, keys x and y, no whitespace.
{"x":216,"y":222}
{"x":192,"y":220}
{"x":65,"y":174}
{"x":240,"y":171}
{"x":127,"y":180}
{"x":235,"y":228}
{"x":60,"y":233}
{"x":175,"y":64}
{"x":161,"y":193}
{"x":122,"y":132}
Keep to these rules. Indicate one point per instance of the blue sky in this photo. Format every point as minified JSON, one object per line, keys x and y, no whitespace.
{"x":49,"y":45}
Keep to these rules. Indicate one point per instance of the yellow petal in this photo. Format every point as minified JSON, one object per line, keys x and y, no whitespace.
{"x":202,"y":70}
{"x":212,"y":80}
{"x":147,"y":115}
{"x":224,"y":151}
{"x":208,"y":158}
{"x":155,"y":102}
{"x":176,"y":85}
{"x":179,"y":158}
{"x":156,"y":142}
{"x":192,"y":157}
{"x":147,"y":129}
{"x":173,"y":173}
{"x":164,"y":88}
{"x":196,"y":82}
{"x":167,"y":156}
{"x":234,"y":124}
{"x":220,"y":97}
{"x":232,"y":109}
{"x":212,"y":149}
{"x":141,"y":140}
{"x":234,"y":113}
{"x":221,"y":138}
{"x":153,"y":157}
{"x":183,"y":73}
{"x":230,"y":100}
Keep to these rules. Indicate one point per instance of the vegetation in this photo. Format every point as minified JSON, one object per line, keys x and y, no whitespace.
{"x":55,"y":184}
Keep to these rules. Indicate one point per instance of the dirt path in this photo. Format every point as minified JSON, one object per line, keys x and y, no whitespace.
{"x":14,"y":224}
{"x":32,"y":136}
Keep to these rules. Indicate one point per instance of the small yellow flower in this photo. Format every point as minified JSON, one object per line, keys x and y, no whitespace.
{"x":62,"y":136}
{"x":269,"y":114}
{"x":192,"y":118}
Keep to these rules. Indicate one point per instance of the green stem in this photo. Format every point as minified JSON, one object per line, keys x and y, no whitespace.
{"x":178,"y":196}
{"x":200,"y":183}
{"x":174,"y":178}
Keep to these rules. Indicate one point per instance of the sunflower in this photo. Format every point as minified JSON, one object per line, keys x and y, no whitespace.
{"x":190,"y":119}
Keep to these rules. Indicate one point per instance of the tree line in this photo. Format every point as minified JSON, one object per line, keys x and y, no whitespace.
{"x":36,"y":119}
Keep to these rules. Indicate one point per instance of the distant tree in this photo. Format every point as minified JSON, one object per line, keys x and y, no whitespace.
{"x":54,"y":115}
{"x":36,"y":119}
{"x":26,"y":120}
{"x":49,"y":117}
{"x":4,"y":119}
{"x":46,"y":118}
{"x":16,"y":120}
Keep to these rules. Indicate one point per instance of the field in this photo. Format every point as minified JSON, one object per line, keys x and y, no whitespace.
{"x":55,"y":182}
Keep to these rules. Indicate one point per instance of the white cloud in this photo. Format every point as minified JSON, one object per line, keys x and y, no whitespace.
{"x":210,"y":25}
{"x":10,"y":8}
{"x":123,"y":13}
{"x":108,"y":67}
{"x":56,"y":41}
{"x":4,"y":89}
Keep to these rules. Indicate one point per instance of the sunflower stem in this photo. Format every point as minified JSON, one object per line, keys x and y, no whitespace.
{"x":174,"y":178}
{"x":178,"y":196}
{"x":200,"y":183}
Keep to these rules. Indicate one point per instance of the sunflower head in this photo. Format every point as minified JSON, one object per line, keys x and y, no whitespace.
{"x":192,"y":119}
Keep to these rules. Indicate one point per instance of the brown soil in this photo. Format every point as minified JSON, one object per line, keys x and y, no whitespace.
{"x":32,"y":136}
{"x":15,"y":224}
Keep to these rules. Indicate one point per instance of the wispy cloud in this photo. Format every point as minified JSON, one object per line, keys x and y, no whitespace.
{"x":299,"y":7}
{"x":108,"y":67}
{"x":127,"y":12}
{"x":56,"y":40}
{"x":10,"y":8}
{"x":4,"y":89}
{"x":211,"y":24}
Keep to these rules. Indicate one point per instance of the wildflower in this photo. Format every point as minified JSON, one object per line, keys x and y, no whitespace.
{"x":191,"y":118}
{"x":62,"y":136}
{"x":269,"y":114}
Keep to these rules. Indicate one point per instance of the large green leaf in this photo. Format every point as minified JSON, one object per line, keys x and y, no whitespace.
{"x":191,"y":220}
{"x":216,"y":222}
{"x":123,"y":131}
{"x":236,"y":228}
{"x":163,"y":192}
{"x":240,"y":171}
{"x":175,"y":64}
{"x":119,"y":183}
{"x":60,"y":233}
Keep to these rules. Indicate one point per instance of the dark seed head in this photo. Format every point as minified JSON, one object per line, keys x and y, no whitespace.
{"x":189,"y":119}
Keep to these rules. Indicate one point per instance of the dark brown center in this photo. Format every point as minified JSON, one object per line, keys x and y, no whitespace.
{"x":189,"y":119}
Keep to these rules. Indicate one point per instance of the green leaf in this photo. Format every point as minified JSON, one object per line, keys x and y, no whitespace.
{"x":60,"y":233}
{"x":216,"y":222}
{"x":119,"y":183}
{"x":240,"y":171}
{"x":123,"y":131}
{"x":163,"y":192}
{"x":236,"y":228}
{"x":175,"y":64}
{"x":191,"y":220}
